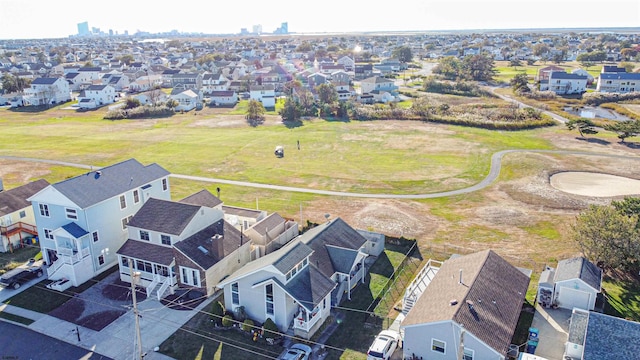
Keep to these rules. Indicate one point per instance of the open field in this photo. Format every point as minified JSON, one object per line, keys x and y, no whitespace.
{"x":520,"y":216}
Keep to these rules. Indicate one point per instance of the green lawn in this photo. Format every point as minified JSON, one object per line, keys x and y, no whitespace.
{"x":623,"y":295}
{"x":15,"y":318}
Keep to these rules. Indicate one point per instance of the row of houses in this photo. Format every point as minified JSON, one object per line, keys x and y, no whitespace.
{"x":612,"y":79}
{"x":123,"y":215}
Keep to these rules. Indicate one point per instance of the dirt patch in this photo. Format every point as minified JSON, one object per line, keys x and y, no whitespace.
{"x":16,"y":173}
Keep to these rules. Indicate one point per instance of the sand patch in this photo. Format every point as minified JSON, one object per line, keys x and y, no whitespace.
{"x":594,"y":184}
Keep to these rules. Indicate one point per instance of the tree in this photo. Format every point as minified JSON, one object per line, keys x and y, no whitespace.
{"x":154,"y":96}
{"x":126,"y":59}
{"x":520,"y":83}
{"x":291,"y":111}
{"x":131,"y":103}
{"x":403,"y":53}
{"x":11,"y":83}
{"x":327,"y":93}
{"x":515,"y":63}
{"x":449,"y":67}
{"x":172,"y":103}
{"x":607,"y":236}
{"x":478,"y":67}
{"x":584,"y":126}
{"x":624,"y":129}
{"x":540,"y":49}
{"x":255,"y":111}
{"x":305,"y":46}
{"x":628,"y":66}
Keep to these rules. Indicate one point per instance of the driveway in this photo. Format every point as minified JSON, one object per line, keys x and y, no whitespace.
{"x":553,"y":327}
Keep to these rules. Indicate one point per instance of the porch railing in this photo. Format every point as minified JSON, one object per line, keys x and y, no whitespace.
{"x":17,"y":227}
{"x":163,"y":288}
{"x":304,"y":324}
{"x":154,"y":282}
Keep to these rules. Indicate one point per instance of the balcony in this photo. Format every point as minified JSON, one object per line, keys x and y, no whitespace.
{"x":71,"y":256}
{"x":304,"y":321}
{"x":18,"y":228}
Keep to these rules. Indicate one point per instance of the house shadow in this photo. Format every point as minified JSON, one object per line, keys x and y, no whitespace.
{"x":629,"y":289}
{"x":382,"y":266}
{"x":594,"y":141}
{"x":30,"y":109}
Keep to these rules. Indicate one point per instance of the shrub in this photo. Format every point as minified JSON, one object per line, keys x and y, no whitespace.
{"x":597,"y":98}
{"x":227,"y":321}
{"x":270,"y":329}
{"x":217,"y":312}
{"x":247,"y":325}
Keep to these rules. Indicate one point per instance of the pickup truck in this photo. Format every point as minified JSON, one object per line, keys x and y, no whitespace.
{"x":20,"y":275}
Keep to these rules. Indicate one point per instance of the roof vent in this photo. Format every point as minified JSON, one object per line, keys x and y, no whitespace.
{"x":204,"y":251}
{"x":453,"y":302}
{"x":97,"y":175}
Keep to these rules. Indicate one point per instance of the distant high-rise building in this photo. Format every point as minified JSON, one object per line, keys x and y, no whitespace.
{"x":257,"y":29}
{"x":244,"y":31}
{"x":110,"y":32}
{"x":126,"y":33}
{"x":284,"y":28}
{"x":83,"y":29}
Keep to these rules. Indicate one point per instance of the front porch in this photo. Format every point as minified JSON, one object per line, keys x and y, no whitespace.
{"x":306,"y":323}
{"x":155,"y":264}
{"x":71,"y":258}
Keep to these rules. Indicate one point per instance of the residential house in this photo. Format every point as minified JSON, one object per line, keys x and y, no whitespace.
{"x":214,"y":82}
{"x":75,"y":80}
{"x":167,"y":77}
{"x":82,"y":221}
{"x":345,"y":92}
{"x":543,"y":73}
{"x":118,"y":81}
{"x":17,"y":221}
{"x":377,"y":83}
{"x":47,"y":91}
{"x":363,"y":71}
{"x":180,"y":245}
{"x":316,"y":79}
{"x":242,"y":218}
{"x":618,"y":82}
{"x":90,"y":74}
{"x":263,"y":93}
{"x":270,"y":234}
{"x":186,"y":81}
{"x":473,"y":301}
{"x":595,"y":336}
{"x":223,"y":98}
{"x":563,"y":83}
{"x":96,"y":95}
{"x":296,"y":285}
{"x":340,"y":77}
{"x":187,"y":99}
{"x":347,"y":62}
{"x":574,"y":283}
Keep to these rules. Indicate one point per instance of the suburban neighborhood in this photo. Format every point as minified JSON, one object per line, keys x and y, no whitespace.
{"x":148,"y":217}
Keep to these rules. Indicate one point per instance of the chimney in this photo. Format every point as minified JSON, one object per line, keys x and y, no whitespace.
{"x":217,"y":246}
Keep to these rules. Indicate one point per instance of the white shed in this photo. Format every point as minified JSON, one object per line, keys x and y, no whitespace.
{"x":577,"y":283}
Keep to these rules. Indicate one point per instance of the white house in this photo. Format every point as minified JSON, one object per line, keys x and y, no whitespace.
{"x":177,"y":244}
{"x":82,"y":221}
{"x":218,"y":98}
{"x":214,"y":82}
{"x":563,"y":83}
{"x":47,"y":91}
{"x":574,"y":283}
{"x":187,"y":100}
{"x":474,"y":302}
{"x":263,"y":93}
{"x":296,"y":285}
{"x":96,"y":95}
{"x":348,"y":63}
{"x":618,"y":82}
{"x":377,"y":84}
{"x":17,"y":220}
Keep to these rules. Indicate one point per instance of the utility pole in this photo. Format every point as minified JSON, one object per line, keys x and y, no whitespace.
{"x":134,"y":279}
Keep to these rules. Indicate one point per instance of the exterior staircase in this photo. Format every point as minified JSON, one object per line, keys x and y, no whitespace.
{"x":419,"y":284}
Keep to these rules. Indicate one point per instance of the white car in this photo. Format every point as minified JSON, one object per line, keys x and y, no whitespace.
{"x":297,"y":352}
{"x":384,"y":345}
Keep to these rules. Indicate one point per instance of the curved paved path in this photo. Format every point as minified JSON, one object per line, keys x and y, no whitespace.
{"x":494,"y":171}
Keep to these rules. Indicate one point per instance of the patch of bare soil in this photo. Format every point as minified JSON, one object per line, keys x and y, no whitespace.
{"x":230,"y":121}
{"x":16,"y":173}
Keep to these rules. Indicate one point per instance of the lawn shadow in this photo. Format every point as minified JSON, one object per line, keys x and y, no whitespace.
{"x":293,"y":124}
{"x":382,"y":266}
{"x":631,"y":145}
{"x":629,"y":285}
{"x":594,"y":141}
{"x":30,"y":109}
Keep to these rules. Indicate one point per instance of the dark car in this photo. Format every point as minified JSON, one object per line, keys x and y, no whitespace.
{"x":18,"y":276}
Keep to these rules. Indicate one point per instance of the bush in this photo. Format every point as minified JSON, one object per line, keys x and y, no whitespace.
{"x":597,"y":98}
{"x":217,"y":312}
{"x":247,"y":325}
{"x":270,"y":329}
{"x":227,"y":321}
{"x":240,"y":313}
{"x":139,"y":113}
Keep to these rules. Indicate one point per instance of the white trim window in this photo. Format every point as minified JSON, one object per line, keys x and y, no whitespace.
{"x":136,"y":196}
{"x":94,"y":236}
{"x":235,"y":294}
{"x":125,"y":221}
{"x":165,"y":184}
{"x":438,"y":346}
{"x":71,"y":214}
{"x":101,"y":260}
{"x":48,"y":234}
{"x":467,"y":354}
{"x":165,"y":239}
{"x":144,"y":235}
{"x":123,"y":202}
{"x":44,"y":210}
{"x":268,"y":291}
{"x":190,"y":276}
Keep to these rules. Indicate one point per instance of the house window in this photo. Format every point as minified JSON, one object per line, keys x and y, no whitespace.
{"x":235,"y":294}
{"x":123,"y":202}
{"x":44,"y":210}
{"x":269,"y":298}
{"x":190,"y":276}
{"x":94,"y":236}
{"x":289,"y":276}
{"x":144,"y":235}
{"x":124,"y":261}
{"x":125,"y":221}
{"x":144,"y":266}
{"x":48,"y":234}
{"x":438,"y":346}
{"x":23,"y":214}
{"x":165,"y":185}
{"x":72,"y":214}
{"x":468,"y":354}
{"x":136,"y":196}
{"x":101,"y":260}
{"x":165,"y":239}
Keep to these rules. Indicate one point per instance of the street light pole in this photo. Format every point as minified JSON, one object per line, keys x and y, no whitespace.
{"x":134,"y":278}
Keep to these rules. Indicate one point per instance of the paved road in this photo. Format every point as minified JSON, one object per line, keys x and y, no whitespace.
{"x":17,"y":343}
{"x":494,"y":171}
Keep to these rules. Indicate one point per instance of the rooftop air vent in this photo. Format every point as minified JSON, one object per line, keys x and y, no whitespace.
{"x":453,"y":302}
{"x":204,"y":251}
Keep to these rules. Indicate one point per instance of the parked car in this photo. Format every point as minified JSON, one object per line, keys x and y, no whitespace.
{"x":20,"y":275}
{"x":384,"y":345}
{"x":297,"y":352}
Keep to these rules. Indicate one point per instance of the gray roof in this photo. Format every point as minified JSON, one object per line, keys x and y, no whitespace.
{"x":270,"y":222}
{"x":96,"y":186}
{"x":342,"y":259}
{"x":44,"y":81}
{"x":164,"y":216}
{"x":231,"y":241}
{"x":75,"y":230}
{"x":620,"y":76}
{"x":579,"y":268}
{"x":567,"y":76}
{"x":146,"y":251}
{"x":96,"y":87}
{"x":488,"y":301}
{"x":202,"y":198}
{"x":309,"y":287}
{"x":578,"y":327}
{"x":15,"y":199}
{"x":335,"y":233}
{"x":611,"y":338}
{"x":292,"y":257}
{"x":244,"y":212}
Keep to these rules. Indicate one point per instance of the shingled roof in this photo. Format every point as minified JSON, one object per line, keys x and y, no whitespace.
{"x":16,"y":199}
{"x":203,"y":239}
{"x":579,"y":268}
{"x":487,"y":303}
{"x":164,"y":216}
{"x":202,"y":198}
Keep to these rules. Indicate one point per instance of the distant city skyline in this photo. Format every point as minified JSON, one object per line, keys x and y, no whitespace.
{"x":42,"y":19}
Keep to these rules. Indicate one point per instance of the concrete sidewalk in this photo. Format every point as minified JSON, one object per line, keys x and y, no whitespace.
{"x":117,"y":340}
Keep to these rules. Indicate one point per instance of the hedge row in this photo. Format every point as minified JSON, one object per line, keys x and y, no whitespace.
{"x":139,"y":113}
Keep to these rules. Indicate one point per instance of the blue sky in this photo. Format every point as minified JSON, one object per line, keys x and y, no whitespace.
{"x":49,"y":19}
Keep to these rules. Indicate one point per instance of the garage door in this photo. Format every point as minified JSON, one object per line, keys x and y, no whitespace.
{"x":570,"y":298}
